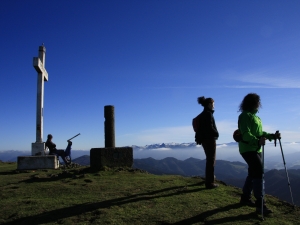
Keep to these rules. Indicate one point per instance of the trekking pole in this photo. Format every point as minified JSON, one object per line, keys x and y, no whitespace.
{"x":262,"y":182}
{"x":73,"y":137}
{"x":289,"y":184}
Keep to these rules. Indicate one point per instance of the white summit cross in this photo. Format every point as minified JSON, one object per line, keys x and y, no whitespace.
{"x":39,"y":65}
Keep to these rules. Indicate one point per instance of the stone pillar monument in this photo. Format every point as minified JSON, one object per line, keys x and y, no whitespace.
{"x":109,"y":126}
{"x":42,"y":75}
{"x":110,"y":156}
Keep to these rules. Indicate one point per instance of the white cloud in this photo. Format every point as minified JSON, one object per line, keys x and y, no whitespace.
{"x":248,"y":86}
{"x":226,"y":126}
{"x":226,"y":129}
{"x":185,"y":134}
{"x":162,"y":135}
{"x":265,"y":79}
{"x":182,"y":134}
{"x":290,"y":136}
{"x":161,"y":149}
{"x":222,"y":146}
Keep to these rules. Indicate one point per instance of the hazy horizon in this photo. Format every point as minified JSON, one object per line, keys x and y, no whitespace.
{"x":226,"y":151}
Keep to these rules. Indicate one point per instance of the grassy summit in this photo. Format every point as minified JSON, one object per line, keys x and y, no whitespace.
{"x":124,"y":196}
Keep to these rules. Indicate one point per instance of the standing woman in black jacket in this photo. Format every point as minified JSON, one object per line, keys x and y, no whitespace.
{"x":207,"y":135}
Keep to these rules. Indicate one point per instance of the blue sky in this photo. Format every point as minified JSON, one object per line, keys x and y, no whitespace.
{"x":151,"y":60}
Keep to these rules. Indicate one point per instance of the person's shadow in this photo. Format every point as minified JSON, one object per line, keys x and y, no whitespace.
{"x":202,"y":217}
{"x":58,"y":214}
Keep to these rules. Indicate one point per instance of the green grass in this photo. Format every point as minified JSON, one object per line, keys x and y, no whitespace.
{"x":79,"y":196}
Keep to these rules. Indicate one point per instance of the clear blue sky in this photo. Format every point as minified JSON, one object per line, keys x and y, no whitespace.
{"x":151,"y":60}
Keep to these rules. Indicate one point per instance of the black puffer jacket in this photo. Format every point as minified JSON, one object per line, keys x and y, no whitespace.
{"x":207,"y":127}
{"x":51,"y":146}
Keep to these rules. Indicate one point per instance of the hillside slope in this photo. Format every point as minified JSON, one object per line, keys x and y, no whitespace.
{"x":123,"y":196}
{"x":232,"y":173}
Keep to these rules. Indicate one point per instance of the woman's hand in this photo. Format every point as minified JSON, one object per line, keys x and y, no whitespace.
{"x":262,"y":141}
{"x":277,"y":135}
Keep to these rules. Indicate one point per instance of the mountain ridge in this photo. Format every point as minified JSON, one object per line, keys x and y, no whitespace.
{"x":124,"y":196}
{"x":232,"y":173}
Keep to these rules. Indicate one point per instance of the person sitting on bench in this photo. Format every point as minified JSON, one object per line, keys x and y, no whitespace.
{"x":65,"y":155}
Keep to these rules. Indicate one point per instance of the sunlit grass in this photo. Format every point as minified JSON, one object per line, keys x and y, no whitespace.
{"x":79,"y":196}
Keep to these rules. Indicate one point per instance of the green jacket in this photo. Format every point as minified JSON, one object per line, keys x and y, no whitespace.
{"x":250,"y":126}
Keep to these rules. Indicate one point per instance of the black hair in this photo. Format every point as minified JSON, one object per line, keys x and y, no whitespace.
{"x":49,"y":136}
{"x":250,"y":102}
{"x":204,"y":101}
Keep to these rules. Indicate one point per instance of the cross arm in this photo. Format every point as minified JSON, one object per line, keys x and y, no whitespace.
{"x":39,"y":67}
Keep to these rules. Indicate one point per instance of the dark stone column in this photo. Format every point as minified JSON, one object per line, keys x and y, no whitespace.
{"x":110,"y":155}
{"x":109,"y":126}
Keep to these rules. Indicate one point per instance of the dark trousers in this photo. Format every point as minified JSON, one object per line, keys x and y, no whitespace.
{"x":209,"y":147}
{"x":254,"y":178}
{"x":63,"y":153}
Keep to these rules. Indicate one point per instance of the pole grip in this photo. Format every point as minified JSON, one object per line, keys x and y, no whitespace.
{"x":275,"y":139}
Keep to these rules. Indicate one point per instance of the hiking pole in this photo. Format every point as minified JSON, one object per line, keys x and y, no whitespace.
{"x":73,"y":137}
{"x":262,"y":182}
{"x":289,"y":184}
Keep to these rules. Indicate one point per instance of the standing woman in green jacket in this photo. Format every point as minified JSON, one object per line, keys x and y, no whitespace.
{"x":253,"y":137}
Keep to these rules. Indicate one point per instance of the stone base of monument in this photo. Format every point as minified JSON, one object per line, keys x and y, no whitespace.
{"x":111,"y":157}
{"x":37,"y":162}
{"x":37,"y":148}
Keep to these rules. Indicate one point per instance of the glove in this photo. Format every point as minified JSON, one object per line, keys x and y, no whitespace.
{"x":277,"y":135}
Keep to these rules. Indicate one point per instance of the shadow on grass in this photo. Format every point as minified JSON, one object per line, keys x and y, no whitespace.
{"x":202,"y":217}
{"x":12,"y":172}
{"x":36,"y":179}
{"x":53,"y":177}
{"x":73,"y":173}
{"x":58,"y":214}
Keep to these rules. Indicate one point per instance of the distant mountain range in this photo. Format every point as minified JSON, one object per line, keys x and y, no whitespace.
{"x":165,"y":145}
{"x":224,"y":170}
{"x":225,"y":151}
{"x":181,"y":151}
{"x":232,"y":173}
